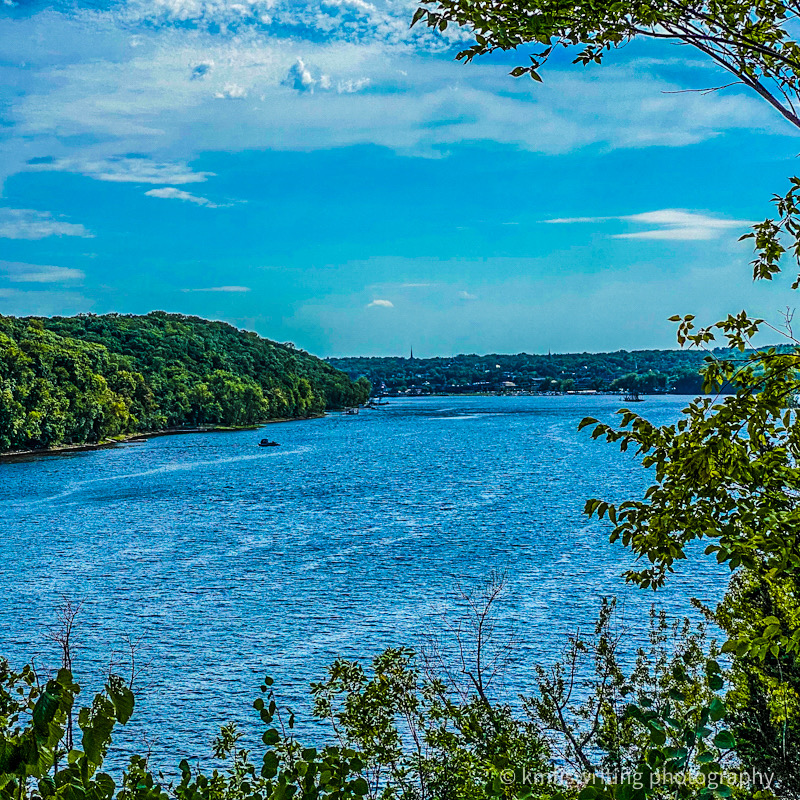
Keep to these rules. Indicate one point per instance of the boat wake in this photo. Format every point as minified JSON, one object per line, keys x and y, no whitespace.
{"x":183,"y":466}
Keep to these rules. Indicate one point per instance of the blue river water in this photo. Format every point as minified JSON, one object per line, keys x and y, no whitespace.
{"x":228,"y":561}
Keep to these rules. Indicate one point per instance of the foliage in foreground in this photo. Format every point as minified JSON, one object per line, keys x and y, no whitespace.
{"x":417,"y":728}
{"x":764,"y":693}
{"x":82,"y":379}
{"x":727,"y":473}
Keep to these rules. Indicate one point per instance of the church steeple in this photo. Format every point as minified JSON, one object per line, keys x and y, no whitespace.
{"x":411,"y":357}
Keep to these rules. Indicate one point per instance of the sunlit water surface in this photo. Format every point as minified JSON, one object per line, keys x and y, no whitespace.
{"x":230,"y":561}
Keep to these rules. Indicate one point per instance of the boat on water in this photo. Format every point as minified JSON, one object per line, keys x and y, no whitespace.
{"x":267,"y":443}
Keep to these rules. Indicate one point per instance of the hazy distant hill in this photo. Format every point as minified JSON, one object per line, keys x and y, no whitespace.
{"x":85,"y":378}
{"x":644,"y":371}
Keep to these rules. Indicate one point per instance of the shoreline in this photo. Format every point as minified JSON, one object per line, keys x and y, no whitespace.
{"x":11,"y":455}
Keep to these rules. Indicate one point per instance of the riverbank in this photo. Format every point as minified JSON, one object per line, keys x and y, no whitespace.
{"x":140,"y":437}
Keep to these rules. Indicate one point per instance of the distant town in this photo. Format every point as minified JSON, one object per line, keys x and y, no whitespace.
{"x":637,"y":371}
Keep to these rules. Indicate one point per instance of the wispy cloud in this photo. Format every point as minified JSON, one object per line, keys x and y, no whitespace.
{"x":573,"y":220}
{"x":380,"y":304}
{"x":125,"y":169}
{"x":144,"y":99}
{"x":220,"y":289}
{"x":467,"y":296}
{"x":171,"y":193}
{"x":46,"y":301}
{"x":352,"y":85}
{"x":18,"y":272}
{"x":26,"y":223}
{"x":676,"y":224}
{"x":672,"y":224}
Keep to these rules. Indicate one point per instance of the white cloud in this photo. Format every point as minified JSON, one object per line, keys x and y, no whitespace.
{"x":467,"y":296}
{"x":358,"y":6}
{"x":673,"y":225}
{"x":300,"y":78}
{"x":26,"y":223}
{"x":125,"y":169}
{"x":18,"y":272}
{"x":676,"y":224}
{"x":171,"y":193}
{"x":380,"y":304}
{"x":220,"y":289}
{"x":232,"y":91}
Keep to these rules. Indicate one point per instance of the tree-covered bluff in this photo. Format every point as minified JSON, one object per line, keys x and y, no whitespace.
{"x":75,"y":380}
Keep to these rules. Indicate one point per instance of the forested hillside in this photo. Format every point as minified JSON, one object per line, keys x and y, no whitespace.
{"x":645,"y":371}
{"x":67,"y":380}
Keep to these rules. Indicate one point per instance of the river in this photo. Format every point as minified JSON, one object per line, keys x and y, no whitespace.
{"x":228,"y":561}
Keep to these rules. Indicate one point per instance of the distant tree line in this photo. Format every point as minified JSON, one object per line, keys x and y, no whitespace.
{"x":85,"y":378}
{"x":643,"y":371}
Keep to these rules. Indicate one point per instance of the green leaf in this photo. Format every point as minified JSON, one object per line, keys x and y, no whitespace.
{"x":270,"y":736}
{"x":46,"y":707}
{"x":717,"y":709}
{"x":657,"y":736}
{"x":270,"y":768}
{"x":725,"y":740}
{"x":124,"y":701}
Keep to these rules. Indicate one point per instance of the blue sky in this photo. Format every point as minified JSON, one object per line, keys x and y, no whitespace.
{"x":320,"y":174}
